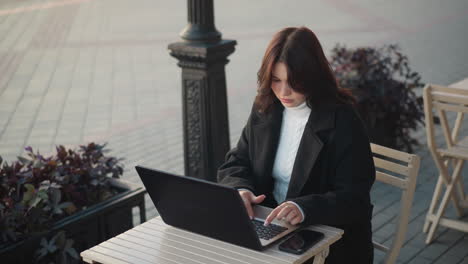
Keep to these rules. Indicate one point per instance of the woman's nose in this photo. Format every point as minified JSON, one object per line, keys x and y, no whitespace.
{"x":285,"y":89}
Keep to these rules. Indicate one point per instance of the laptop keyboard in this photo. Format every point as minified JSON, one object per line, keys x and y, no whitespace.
{"x":267,"y":232}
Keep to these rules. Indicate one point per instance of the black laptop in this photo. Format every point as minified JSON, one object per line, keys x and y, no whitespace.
{"x":210,"y":209}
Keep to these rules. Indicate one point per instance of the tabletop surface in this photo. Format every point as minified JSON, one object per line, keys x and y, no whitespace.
{"x":461,"y":84}
{"x":156,"y":242}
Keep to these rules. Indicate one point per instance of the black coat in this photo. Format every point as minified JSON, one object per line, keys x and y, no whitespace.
{"x":331,"y":177}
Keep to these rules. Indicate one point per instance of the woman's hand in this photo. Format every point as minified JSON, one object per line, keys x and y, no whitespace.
{"x":249,"y":198}
{"x":286,"y":211}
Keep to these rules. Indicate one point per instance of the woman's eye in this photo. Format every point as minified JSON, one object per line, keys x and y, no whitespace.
{"x":276,"y":80}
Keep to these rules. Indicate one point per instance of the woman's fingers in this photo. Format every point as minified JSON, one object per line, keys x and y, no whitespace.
{"x":286,"y":211}
{"x":249,"y":198}
{"x":294,"y":217}
{"x":258,"y":199}
{"x":296,"y":220}
{"x":291,"y":215}
{"x":272,"y":215}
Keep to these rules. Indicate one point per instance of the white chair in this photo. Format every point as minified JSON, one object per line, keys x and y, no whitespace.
{"x":445,"y":100}
{"x":398,"y":169}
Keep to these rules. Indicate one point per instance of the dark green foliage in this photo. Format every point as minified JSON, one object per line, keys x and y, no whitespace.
{"x":57,"y":249}
{"x":36,"y":191}
{"x":383,"y":83}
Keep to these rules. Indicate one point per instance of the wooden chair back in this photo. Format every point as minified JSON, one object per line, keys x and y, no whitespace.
{"x":444,"y":100}
{"x":399,"y":169}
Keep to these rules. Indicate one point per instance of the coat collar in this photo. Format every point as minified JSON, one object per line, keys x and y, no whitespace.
{"x":321,"y":118}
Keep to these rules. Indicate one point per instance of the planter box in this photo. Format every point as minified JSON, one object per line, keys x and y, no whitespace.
{"x":88,"y":227}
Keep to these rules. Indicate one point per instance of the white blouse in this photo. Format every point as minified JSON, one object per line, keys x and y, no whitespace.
{"x":292,"y":128}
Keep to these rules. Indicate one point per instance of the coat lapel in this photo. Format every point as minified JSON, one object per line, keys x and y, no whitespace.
{"x":266,"y":141}
{"x":309,"y":148}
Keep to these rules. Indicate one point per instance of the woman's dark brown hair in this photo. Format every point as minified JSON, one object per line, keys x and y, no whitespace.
{"x":308,"y":70}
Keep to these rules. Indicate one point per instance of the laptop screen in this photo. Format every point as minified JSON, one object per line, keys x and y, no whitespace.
{"x":199,"y":206}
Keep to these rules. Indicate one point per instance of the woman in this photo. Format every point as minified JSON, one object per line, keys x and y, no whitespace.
{"x":304,"y":150}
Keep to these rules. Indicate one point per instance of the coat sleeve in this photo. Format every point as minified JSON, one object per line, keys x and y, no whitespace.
{"x":236,"y":171}
{"x":348,"y":199}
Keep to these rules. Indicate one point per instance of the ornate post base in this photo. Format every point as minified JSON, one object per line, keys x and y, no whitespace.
{"x":205,"y":113}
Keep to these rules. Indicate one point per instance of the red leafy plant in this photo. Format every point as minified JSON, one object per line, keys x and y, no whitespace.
{"x":384,"y":84}
{"x":36,"y":191}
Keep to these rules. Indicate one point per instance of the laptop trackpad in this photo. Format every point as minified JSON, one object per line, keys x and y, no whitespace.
{"x":262,"y":212}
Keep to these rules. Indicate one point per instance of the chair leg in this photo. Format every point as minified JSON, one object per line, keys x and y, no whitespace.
{"x":464,"y":197}
{"x":461,"y":192}
{"x":440,"y":210}
{"x":435,"y":198}
{"x":456,"y":203}
{"x":443,"y":204}
{"x":457,"y":196}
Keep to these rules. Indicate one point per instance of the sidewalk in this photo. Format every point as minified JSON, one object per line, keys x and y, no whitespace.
{"x":74,"y":71}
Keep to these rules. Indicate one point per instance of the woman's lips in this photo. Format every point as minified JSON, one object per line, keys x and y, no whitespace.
{"x":286,"y":101}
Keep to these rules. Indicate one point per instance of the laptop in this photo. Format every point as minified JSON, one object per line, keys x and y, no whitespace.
{"x":210,"y":209}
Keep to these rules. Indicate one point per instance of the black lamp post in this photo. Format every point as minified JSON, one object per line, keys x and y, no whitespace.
{"x":202,"y":56}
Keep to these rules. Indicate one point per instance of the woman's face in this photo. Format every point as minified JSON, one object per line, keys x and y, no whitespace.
{"x":281,"y":88}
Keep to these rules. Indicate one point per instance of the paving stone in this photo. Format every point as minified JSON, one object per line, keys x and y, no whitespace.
{"x":421,"y":260}
{"x":464,"y":261}
{"x":434,"y":250}
{"x":407,"y":253}
{"x":457,"y":252}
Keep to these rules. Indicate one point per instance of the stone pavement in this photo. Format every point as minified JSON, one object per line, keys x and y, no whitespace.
{"x":74,"y":71}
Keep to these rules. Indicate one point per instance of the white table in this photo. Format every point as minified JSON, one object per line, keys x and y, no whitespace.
{"x":461,"y":84}
{"x":156,"y":242}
